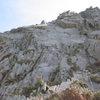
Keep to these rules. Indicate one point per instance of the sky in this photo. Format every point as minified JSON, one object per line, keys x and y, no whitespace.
{"x":16,"y":13}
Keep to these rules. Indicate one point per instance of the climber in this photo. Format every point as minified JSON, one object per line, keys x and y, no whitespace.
{"x":44,"y":87}
{"x":41,"y":85}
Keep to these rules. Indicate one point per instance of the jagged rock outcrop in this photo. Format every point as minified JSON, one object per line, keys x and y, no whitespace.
{"x":60,"y":51}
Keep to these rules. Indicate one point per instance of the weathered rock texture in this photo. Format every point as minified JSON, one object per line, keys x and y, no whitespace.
{"x":60,"y":50}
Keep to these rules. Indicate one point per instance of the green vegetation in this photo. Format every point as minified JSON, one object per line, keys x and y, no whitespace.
{"x":53,"y":75}
{"x":38,"y":82}
{"x":97,"y":95}
{"x":19,"y":30}
{"x":95,"y":78}
{"x":69,"y":60}
{"x":94,"y":68}
{"x":70,"y":73}
{"x":28,"y":89}
{"x":24,"y":90}
{"x":72,"y":69}
{"x":75,"y":67}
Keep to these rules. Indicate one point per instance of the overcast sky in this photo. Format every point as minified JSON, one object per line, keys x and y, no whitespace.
{"x":15,"y":13}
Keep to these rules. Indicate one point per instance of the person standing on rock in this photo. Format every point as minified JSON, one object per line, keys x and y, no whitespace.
{"x":41,"y":85}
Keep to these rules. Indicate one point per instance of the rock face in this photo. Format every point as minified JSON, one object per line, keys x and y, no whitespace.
{"x":59,"y":50}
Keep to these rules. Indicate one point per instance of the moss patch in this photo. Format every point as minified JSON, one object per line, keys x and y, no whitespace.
{"x":19,"y":30}
{"x":69,"y":60}
{"x":97,"y":95}
{"x":94,"y":68}
{"x":55,"y":77}
{"x":95,"y":78}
